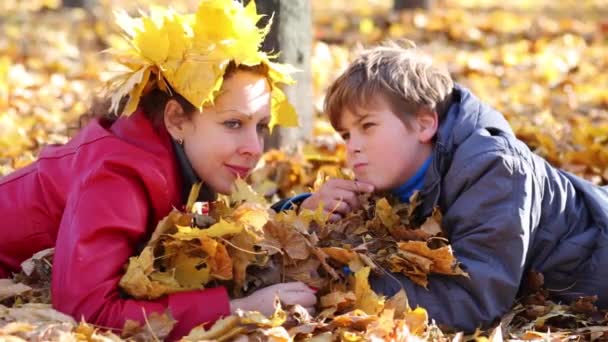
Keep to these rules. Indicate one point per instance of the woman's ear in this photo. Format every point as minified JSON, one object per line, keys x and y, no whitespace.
{"x":428,"y":122}
{"x":175,"y":119}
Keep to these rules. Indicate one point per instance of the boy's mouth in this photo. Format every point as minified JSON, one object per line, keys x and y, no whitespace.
{"x":359,"y":166}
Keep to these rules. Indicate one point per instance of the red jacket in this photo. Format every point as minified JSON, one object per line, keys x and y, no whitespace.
{"x":94,"y":199}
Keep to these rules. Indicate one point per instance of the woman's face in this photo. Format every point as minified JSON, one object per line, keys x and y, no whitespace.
{"x":226,"y":140}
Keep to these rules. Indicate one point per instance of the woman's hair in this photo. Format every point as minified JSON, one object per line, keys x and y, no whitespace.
{"x":406,"y":78}
{"x":153,"y":103}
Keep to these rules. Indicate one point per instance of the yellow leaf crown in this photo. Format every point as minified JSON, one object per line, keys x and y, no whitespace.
{"x":190,"y":53}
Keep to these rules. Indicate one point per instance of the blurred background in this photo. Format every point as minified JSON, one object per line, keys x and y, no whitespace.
{"x":543,"y":63}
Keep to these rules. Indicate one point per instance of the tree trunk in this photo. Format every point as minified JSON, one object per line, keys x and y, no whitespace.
{"x":399,"y":5}
{"x":79,"y":3}
{"x":291,"y":37}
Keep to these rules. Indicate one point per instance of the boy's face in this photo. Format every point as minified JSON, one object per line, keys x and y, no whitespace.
{"x":381,"y":150}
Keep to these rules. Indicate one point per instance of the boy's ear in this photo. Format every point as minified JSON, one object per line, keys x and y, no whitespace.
{"x":428,"y":122}
{"x":175,"y":119}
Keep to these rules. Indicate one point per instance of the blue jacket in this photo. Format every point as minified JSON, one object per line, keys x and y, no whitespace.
{"x":505,"y":211}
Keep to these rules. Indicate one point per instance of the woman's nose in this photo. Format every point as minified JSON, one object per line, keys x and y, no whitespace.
{"x":252,"y":144}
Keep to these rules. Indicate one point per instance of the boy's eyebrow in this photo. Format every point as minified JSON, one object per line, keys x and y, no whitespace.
{"x":359,"y":119}
{"x":362,"y":117}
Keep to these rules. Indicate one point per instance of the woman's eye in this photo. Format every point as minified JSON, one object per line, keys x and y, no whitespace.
{"x":232,"y":124}
{"x":345,"y":136}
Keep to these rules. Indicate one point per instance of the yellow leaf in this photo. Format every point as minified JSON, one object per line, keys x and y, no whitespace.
{"x":283,"y":113}
{"x":128,"y":83}
{"x":340,"y":254}
{"x":221,"y":228}
{"x":135,"y":281}
{"x":254,"y":317}
{"x":251,"y":215}
{"x":386,"y":213}
{"x":417,"y":320}
{"x":135,"y":93}
{"x":366,"y":299}
{"x":152,"y":40}
{"x":191,"y":272}
{"x":243,"y":192}
{"x":193,"y":196}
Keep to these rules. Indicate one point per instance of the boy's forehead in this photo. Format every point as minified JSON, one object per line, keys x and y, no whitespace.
{"x":349,"y":116}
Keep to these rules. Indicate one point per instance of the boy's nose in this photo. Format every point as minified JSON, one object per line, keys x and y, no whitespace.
{"x":353,"y":145}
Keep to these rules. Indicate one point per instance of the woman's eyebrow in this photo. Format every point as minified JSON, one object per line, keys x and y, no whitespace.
{"x":236,"y":111}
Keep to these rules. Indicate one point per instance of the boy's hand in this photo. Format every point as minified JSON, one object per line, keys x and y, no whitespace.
{"x":339,"y":197}
{"x":289,"y":293}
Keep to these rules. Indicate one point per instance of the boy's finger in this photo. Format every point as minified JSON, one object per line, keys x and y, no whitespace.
{"x":355,"y":186}
{"x":364,"y":187}
{"x":337,"y":206}
{"x":334,"y":218}
{"x":349,"y":197}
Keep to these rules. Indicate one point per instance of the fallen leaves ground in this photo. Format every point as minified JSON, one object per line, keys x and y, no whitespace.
{"x":541,"y":63}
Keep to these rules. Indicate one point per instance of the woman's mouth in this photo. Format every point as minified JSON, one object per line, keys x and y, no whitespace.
{"x":239,"y":171}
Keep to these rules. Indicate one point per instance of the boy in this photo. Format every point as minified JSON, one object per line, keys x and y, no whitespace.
{"x":409,"y":128}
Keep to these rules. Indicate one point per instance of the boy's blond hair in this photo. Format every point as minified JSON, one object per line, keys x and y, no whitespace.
{"x":406,"y":78}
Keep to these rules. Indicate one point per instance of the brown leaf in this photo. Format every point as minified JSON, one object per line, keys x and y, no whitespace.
{"x":306,"y":271}
{"x":338,"y":299}
{"x":8,"y":289}
{"x":223,"y":329}
{"x":443,"y":259}
{"x":157,"y":327}
{"x":284,"y":238}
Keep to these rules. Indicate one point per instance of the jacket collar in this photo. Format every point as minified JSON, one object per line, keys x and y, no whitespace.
{"x":189,"y":176}
{"x":465,"y":116}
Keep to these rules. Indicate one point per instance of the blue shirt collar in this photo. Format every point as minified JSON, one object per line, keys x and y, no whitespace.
{"x":416,"y":182}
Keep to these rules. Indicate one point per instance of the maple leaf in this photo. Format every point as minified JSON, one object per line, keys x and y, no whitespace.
{"x":251,"y":215}
{"x":416,"y":320}
{"x":338,"y":299}
{"x":157,"y":327}
{"x":219,"y":229}
{"x":242,"y":192}
{"x":306,"y":271}
{"x":366,"y":299}
{"x":224,"y":328}
{"x":8,"y":289}
{"x":443,"y":260}
{"x":284,"y":238}
{"x":340,"y":254}
{"x":386,"y":214}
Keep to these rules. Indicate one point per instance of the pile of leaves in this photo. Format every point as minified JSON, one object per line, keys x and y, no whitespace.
{"x":242,"y":244}
{"x":237,"y":242}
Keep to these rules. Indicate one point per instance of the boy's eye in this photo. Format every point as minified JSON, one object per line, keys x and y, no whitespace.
{"x":345,"y":136}
{"x":368,"y":125}
{"x":263,"y":128}
{"x":232,"y":124}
